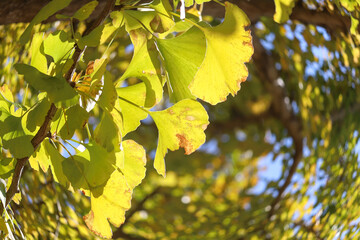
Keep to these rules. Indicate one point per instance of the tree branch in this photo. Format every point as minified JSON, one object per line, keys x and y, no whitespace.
{"x":283,"y":111}
{"x":16,"y":11}
{"x":44,"y":129}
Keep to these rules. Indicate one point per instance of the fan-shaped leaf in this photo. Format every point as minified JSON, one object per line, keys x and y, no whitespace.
{"x":181,"y":125}
{"x":229,"y":46}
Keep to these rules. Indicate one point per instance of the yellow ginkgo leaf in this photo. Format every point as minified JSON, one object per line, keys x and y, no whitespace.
{"x":229,"y":46}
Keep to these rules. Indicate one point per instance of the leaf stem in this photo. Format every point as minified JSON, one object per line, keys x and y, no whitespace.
{"x":222,"y":4}
{"x":144,"y":109}
{"x":187,"y":20}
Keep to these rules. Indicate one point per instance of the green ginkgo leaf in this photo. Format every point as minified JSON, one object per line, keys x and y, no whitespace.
{"x":74,"y":118}
{"x":49,"y":9}
{"x":56,"y":160}
{"x":14,"y":137}
{"x":7,"y":166}
{"x":92,"y":39}
{"x":189,"y":3}
{"x":106,"y":133}
{"x":91,"y":168}
{"x":85,"y":11}
{"x":183,"y":56}
{"x":134,"y":93}
{"x":128,"y":116}
{"x":36,"y":116}
{"x":40,"y":158}
{"x":109,"y":203}
{"x":181,"y":125}
{"x":145,"y":66}
{"x":157,"y":18}
{"x":57,"y":89}
{"x":58,"y":45}
{"x":229,"y":46}
{"x":108,"y":95}
{"x":164,"y":18}
{"x":38,"y":59}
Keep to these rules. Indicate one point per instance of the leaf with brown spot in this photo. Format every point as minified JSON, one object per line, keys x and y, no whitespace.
{"x":181,"y":125}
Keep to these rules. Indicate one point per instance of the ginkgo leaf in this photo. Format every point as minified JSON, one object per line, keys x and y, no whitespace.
{"x":6,"y":97}
{"x":40,"y":158}
{"x":85,"y":11}
{"x":189,"y":3}
{"x":164,"y":18}
{"x":106,"y":133}
{"x":74,"y":118}
{"x":91,"y":168}
{"x":58,"y":45}
{"x":7,"y":166}
{"x":283,"y":9}
{"x":229,"y":46}
{"x":134,"y":93}
{"x":14,"y":136}
{"x":181,"y":125}
{"x":183,"y":56}
{"x":108,"y":96}
{"x":132,"y":160}
{"x":56,"y":160}
{"x":108,"y":204}
{"x":92,"y":39}
{"x":38,"y":59}
{"x":145,"y":66}
{"x":49,"y":9}
{"x":59,"y":91}
{"x":129,"y":116}
{"x":156,"y":18}
{"x":36,"y":116}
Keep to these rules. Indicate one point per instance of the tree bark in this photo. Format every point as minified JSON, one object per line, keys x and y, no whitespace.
{"x":23,"y":11}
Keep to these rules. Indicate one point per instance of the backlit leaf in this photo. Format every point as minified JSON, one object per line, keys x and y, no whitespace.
{"x":181,"y":125}
{"x":283,"y":9}
{"x":145,"y":66}
{"x":38,"y":59}
{"x":40,"y":158}
{"x":108,"y":204}
{"x":57,"y":89}
{"x":92,"y":39}
{"x":36,"y":116}
{"x":130,"y":116}
{"x":229,"y":46}
{"x":183,"y":56}
{"x":7,"y":166}
{"x":58,"y":45}
{"x":134,"y":162}
{"x":91,"y":168}
{"x":56,"y":161}
{"x":106,"y":133}
{"x":74,"y":118}
{"x":14,"y":136}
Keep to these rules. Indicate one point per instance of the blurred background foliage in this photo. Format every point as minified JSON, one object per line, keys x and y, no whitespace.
{"x":281,"y":158}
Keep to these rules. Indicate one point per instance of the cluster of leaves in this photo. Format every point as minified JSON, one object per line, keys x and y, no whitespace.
{"x":193,"y":59}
